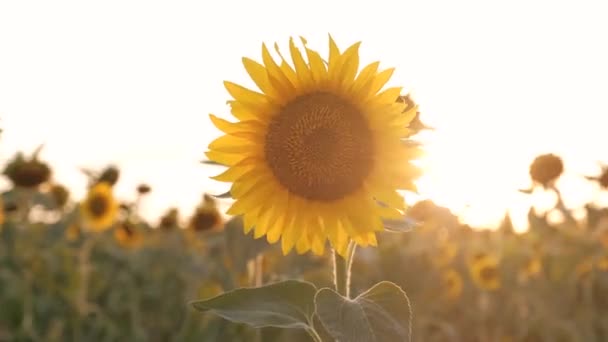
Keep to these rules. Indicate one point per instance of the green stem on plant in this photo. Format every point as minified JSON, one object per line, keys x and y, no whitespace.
{"x":314,"y":335}
{"x":342,"y":268}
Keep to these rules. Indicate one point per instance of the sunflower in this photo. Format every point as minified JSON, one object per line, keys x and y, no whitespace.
{"x":602,"y":263}
{"x":452,"y":284}
{"x":206,"y":217}
{"x":546,"y":169}
{"x":319,"y":153}
{"x":99,"y":209}
{"x":128,"y":236}
{"x":485,"y":273}
{"x":444,"y":254}
{"x":532,"y":267}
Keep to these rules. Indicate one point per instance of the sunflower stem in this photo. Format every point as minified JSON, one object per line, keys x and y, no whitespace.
{"x":342,"y":267}
{"x":314,"y":335}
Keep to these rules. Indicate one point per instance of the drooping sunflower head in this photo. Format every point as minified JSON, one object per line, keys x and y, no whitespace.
{"x":27,"y":172}
{"x":170,"y":220}
{"x":452,"y":284}
{"x":99,"y":209}
{"x":316,"y":149}
{"x":486,"y":274}
{"x":546,"y":169}
{"x":60,"y":195}
{"x":206,"y":216}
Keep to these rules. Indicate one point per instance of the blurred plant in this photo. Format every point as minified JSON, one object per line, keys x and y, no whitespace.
{"x":452,"y":284}
{"x":28,"y":172}
{"x":602,"y":178}
{"x":60,"y":195}
{"x":206,"y":216}
{"x":170,"y":220}
{"x":546,"y":169}
{"x":485,"y":273}
{"x":128,"y":236}
{"x":99,"y":209}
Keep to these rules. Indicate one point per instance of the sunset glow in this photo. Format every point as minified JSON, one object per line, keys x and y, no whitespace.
{"x":498,"y":94}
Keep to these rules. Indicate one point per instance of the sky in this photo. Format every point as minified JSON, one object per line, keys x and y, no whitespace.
{"x":132,"y":83}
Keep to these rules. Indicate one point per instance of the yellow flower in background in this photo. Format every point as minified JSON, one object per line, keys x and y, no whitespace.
{"x":477,"y":257}
{"x":444,"y":255}
{"x":207,"y":216}
{"x":485,"y":273}
{"x":99,"y":209}
{"x":602,"y":263}
{"x":533,"y":267}
{"x":128,"y":236}
{"x":318,"y":153}
{"x":452,"y":284}
{"x":72,"y":232}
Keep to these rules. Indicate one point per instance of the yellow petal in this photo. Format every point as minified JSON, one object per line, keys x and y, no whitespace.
{"x":334,"y":59}
{"x":316,"y":63}
{"x":233,"y":127}
{"x":350,"y":64}
{"x":303,"y":244}
{"x":303,"y":72}
{"x":242,"y":94}
{"x":365,"y":76}
{"x":259,"y":75}
{"x":236,"y":171}
{"x":275,"y":74}
{"x":286,"y":68}
{"x":231,"y":144}
{"x":249,"y":220}
{"x":380,"y":80}
{"x":388,"y":96}
{"x":251,"y":111}
{"x":224,"y":158}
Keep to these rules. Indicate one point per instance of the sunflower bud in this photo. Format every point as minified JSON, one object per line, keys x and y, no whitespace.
{"x":27,"y":173}
{"x":170,"y":220}
{"x":60,"y":195}
{"x":143,"y":189}
{"x":206,"y":216}
{"x":110,"y":175}
{"x":546,"y":169}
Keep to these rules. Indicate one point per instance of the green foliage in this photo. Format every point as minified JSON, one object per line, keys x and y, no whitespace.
{"x":288,"y":304}
{"x":380,"y":314}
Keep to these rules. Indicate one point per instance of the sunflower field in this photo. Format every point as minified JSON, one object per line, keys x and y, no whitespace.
{"x":317,"y":245}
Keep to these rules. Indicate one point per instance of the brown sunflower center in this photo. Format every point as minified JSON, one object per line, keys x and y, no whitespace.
{"x":98,"y":205}
{"x":320,"y":147}
{"x":488,"y":273}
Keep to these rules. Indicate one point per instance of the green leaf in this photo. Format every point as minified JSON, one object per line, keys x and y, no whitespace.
{"x":381,"y":314}
{"x":400,"y":226}
{"x":287,"y":304}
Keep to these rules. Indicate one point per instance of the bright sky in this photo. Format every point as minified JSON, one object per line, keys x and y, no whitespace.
{"x":131,"y":83}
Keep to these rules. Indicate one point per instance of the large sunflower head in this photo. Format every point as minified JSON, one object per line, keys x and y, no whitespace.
{"x":99,"y":209}
{"x":318,"y":152}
